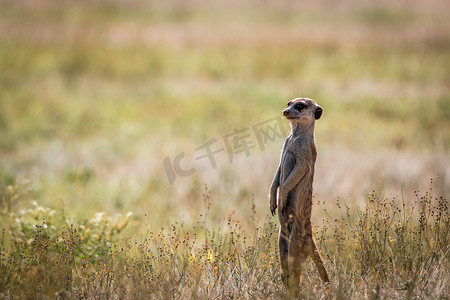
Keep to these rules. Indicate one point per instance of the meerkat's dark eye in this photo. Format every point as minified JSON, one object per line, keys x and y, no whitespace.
{"x":300,"y":106}
{"x":289,"y":103}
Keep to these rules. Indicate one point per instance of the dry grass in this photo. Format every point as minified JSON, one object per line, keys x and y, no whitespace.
{"x":387,"y":249}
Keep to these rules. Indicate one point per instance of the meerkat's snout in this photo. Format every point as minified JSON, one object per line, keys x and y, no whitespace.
{"x":289,"y":114}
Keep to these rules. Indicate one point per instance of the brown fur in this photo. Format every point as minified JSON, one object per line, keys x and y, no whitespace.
{"x":294,"y":178}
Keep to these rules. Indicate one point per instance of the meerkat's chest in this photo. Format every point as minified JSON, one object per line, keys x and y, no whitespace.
{"x":288,"y":162}
{"x":295,"y":153}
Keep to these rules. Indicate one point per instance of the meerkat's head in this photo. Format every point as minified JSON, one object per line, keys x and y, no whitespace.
{"x":302,"y":111}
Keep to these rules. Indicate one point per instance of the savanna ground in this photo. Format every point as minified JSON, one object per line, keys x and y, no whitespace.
{"x":96,"y":95}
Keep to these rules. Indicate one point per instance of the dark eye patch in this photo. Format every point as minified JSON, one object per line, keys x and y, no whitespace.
{"x":289,"y":103}
{"x":300,"y":106}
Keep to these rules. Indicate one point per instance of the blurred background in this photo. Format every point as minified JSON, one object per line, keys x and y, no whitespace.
{"x":99,"y":98}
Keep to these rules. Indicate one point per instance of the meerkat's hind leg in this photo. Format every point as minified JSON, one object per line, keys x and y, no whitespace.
{"x":296,"y":266}
{"x":298,"y":253}
{"x":317,"y":259}
{"x":283,"y":243}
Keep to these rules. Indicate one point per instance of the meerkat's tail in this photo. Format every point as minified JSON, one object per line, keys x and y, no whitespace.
{"x":317,"y":259}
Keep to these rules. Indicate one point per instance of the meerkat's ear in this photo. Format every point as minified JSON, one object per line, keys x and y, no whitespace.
{"x":318,"y":112}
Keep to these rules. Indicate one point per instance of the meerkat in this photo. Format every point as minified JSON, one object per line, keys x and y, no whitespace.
{"x":294,"y":183}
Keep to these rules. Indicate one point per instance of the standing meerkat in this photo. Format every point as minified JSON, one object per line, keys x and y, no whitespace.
{"x":294,"y":178}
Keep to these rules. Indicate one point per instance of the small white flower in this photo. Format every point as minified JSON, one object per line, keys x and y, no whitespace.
{"x":98,"y":217}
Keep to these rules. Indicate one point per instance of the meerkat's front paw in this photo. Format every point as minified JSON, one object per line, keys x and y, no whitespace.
{"x":283,"y":210}
{"x":273,"y":205}
{"x":283,"y":202}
